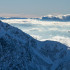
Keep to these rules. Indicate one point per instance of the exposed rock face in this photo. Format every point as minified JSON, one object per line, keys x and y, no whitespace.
{"x":19,"y":51}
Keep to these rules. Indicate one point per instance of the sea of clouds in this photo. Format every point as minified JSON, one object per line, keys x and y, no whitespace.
{"x":43,"y":30}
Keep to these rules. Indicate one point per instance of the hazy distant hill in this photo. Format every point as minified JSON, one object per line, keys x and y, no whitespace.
{"x":57,"y":18}
{"x":12,"y":18}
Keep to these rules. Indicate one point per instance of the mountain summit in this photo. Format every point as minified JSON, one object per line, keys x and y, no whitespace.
{"x":19,"y":51}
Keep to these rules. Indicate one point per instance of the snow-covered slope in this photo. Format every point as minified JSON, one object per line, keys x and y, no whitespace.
{"x":19,"y":51}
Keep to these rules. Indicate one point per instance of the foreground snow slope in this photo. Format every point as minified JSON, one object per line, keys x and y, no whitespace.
{"x":19,"y":51}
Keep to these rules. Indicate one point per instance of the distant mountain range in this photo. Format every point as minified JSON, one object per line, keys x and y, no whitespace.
{"x":12,"y":18}
{"x":56,"y":18}
{"x":62,"y":18}
{"x":19,"y":51}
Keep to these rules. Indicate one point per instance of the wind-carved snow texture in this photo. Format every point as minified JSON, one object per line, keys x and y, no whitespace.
{"x":19,"y":51}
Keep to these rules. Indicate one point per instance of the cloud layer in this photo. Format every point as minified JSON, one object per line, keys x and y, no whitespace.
{"x":43,"y":30}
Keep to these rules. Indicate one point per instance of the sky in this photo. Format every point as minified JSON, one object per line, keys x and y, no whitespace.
{"x":33,"y":8}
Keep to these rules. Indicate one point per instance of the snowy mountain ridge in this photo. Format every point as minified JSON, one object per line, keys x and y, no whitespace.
{"x":19,"y":51}
{"x":63,"y":18}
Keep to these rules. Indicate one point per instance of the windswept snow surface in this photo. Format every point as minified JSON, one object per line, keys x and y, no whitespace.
{"x":43,"y":30}
{"x":20,"y":51}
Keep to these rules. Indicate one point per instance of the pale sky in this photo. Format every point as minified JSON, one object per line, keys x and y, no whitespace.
{"x":33,"y":8}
